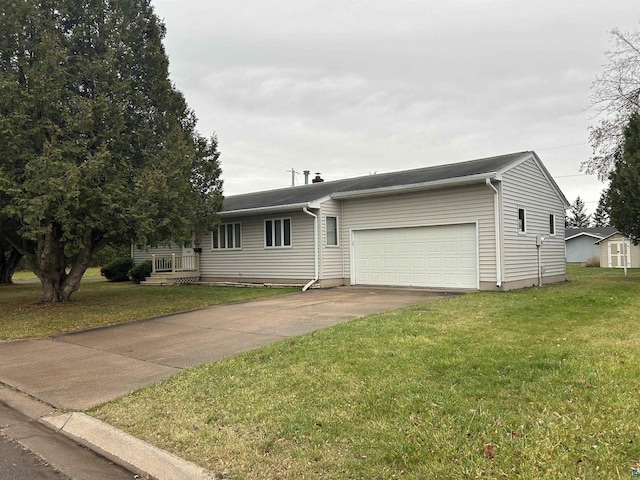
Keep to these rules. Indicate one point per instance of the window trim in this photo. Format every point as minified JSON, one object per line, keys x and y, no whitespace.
{"x":552,"y":223}
{"x":236,"y":236}
{"x":281,"y":234}
{"x":523,"y":230}
{"x":326,"y":231}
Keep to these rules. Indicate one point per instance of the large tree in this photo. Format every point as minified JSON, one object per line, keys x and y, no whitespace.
{"x":96,"y":143}
{"x":577,"y":216}
{"x":615,"y":97}
{"x":623,"y":198}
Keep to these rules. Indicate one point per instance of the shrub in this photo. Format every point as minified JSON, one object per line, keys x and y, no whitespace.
{"x":592,"y":262}
{"x":140,"y":272}
{"x":118,"y":270}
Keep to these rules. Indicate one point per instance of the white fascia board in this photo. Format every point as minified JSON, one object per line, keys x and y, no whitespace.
{"x":318,"y":203}
{"x":609,"y":236}
{"x":581,"y":234}
{"x":264,"y":210}
{"x":416,"y":187}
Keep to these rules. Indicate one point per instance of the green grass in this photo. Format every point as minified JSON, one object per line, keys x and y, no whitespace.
{"x":98,"y":303}
{"x":535,"y":384}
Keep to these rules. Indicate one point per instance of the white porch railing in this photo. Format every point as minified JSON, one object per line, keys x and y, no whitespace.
{"x":175,"y":263}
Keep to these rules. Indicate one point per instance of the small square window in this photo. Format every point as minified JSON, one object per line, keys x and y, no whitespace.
{"x":522,"y":220}
{"x":331,"y":224}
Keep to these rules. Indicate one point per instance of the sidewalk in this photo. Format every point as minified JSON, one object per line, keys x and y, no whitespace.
{"x":79,"y":370}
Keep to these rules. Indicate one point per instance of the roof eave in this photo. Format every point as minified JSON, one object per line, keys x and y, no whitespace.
{"x":415,"y":187}
{"x":608,"y":237}
{"x":265,"y":210}
{"x":599,"y":237}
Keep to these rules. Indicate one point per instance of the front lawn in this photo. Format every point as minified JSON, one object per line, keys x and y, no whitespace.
{"x":536,"y":384}
{"x":100,"y":303}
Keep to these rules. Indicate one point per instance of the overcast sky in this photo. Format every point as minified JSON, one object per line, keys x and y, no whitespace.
{"x":347,"y":88}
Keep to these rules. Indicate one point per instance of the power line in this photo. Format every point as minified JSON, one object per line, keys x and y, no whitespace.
{"x":562,"y":146}
{"x":575,"y":175}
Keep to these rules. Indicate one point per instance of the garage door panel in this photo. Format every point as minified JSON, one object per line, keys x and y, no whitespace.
{"x":437,"y":256}
{"x":451,"y":263}
{"x":434,"y":263}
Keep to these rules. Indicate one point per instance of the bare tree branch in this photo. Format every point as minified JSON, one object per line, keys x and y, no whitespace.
{"x":615,"y":96}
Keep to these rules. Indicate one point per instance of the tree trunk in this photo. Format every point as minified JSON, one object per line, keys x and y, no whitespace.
{"x":8,"y":263}
{"x":57,"y":284}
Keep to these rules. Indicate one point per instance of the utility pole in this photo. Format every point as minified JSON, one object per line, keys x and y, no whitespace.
{"x":293,"y":176}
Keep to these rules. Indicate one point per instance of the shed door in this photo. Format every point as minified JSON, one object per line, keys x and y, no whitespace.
{"x":619,"y":251}
{"x":437,"y":256}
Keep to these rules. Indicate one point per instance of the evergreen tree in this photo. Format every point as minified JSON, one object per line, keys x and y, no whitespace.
{"x":601,"y":216}
{"x":623,"y":198}
{"x":577,"y":216}
{"x":96,"y":144}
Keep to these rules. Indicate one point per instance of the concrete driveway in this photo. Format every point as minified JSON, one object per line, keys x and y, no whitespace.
{"x":83,"y":369}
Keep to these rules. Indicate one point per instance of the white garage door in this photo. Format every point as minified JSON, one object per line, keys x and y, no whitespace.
{"x":438,"y":256}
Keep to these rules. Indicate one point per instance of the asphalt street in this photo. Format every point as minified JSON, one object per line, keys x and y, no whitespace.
{"x":20,"y":464}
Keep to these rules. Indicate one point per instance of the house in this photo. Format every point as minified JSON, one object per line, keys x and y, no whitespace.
{"x":581,"y":242}
{"x":615,"y":249}
{"x":490,"y":224}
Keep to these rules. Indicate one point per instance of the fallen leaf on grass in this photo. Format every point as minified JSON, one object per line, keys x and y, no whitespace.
{"x":489,"y":451}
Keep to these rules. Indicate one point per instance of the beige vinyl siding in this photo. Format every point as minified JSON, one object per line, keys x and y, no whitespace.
{"x":331,"y":257}
{"x":142,"y":254}
{"x":254,"y":260}
{"x":526,"y":186}
{"x":468,"y":204}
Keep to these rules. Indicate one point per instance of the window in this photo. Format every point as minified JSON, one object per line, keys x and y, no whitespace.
{"x":522,"y":220}
{"x":227,"y":236}
{"x":552,"y":224}
{"x":331,"y":227}
{"x":277,"y":233}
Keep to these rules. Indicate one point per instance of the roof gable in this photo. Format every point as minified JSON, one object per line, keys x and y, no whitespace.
{"x":421,"y":178}
{"x":594,"y":232}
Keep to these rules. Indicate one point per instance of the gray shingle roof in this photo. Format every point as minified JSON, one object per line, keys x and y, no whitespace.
{"x":596,"y":232}
{"x":304,"y":194}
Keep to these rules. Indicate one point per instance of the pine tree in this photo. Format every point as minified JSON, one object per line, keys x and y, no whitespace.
{"x":577,"y":216}
{"x":623,"y":198}
{"x":601,"y":215}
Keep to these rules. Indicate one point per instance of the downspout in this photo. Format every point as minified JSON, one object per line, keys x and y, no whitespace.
{"x":496,"y":214}
{"x":315,"y":249}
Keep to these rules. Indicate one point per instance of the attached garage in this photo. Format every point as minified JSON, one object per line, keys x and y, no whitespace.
{"x":427,"y":256}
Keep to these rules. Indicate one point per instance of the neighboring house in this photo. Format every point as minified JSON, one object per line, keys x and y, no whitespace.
{"x":581,"y":242}
{"x":489,"y":224}
{"x":615,"y":249}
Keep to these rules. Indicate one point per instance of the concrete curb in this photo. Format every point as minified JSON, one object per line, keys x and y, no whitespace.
{"x":107,"y":441}
{"x":125,"y":449}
